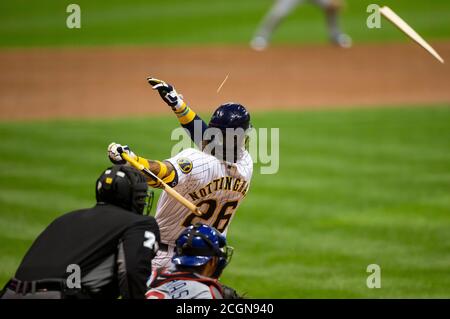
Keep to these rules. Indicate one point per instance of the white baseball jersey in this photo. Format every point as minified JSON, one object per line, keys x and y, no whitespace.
{"x":215,"y":186}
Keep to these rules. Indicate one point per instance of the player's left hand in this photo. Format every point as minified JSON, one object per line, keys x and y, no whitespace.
{"x":167,"y":92}
{"x":114,"y":151}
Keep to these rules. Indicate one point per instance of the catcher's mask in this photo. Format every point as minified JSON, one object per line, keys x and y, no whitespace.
{"x":198,"y":244}
{"x":227,"y":132}
{"x":125,"y":187}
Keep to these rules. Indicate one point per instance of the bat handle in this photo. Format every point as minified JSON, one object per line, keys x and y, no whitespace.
{"x":189,"y":205}
{"x":132,"y":161}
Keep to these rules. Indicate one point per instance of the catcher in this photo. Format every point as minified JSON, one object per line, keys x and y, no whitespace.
{"x":201,"y":256}
{"x":216,"y":178}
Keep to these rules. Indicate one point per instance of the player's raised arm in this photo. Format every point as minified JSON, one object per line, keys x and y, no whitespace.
{"x":164,"y":170}
{"x":186,"y":116}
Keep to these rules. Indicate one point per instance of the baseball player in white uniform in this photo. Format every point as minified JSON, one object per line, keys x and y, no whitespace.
{"x":282,"y":8}
{"x":215,"y":178}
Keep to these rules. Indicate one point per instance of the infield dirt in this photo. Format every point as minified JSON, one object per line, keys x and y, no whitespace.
{"x":96,"y":82}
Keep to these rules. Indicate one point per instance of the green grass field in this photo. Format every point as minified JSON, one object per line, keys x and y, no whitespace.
{"x":355,"y":187}
{"x":194,"y":22}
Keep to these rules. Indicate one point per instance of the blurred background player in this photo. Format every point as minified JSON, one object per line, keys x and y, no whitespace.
{"x":201,"y":256}
{"x":282,"y":8}
{"x":111,"y":243}
{"x":216,"y":178}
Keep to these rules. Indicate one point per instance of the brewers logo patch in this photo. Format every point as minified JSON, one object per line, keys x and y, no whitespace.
{"x":185,"y":165}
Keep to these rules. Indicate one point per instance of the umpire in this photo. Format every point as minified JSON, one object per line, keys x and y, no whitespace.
{"x":100,"y":252}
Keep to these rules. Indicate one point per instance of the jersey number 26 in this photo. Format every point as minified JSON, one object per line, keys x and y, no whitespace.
{"x":222,"y":218}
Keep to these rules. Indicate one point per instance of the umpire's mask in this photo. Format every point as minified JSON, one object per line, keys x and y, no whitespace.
{"x":124,"y":186}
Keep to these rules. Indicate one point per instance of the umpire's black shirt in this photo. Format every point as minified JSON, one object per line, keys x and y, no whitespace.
{"x":113,"y":248}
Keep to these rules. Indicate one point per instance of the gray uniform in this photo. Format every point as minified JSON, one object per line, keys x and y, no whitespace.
{"x":183,"y":285}
{"x":282,"y":8}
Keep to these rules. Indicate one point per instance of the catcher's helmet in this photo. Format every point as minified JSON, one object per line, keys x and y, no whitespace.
{"x":198,"y":244}
{"x":123,"y":186}
{"x":230,"y":115}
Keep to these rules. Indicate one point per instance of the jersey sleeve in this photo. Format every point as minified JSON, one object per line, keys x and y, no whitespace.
{"x":183,"y":164}
{"x":191,"y":122}
{"x":204,"y":291}
{"x":195,"y":129}
{"x":204,"y":294}
{"x":137,"y":248}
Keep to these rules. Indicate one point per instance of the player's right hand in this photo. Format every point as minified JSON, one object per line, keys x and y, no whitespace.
{"x":114,"y":151}
{"x":167,"y":93}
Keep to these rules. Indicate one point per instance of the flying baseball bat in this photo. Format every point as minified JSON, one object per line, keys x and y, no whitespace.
{"x":166,"y":187}
{"x":403,"y":26}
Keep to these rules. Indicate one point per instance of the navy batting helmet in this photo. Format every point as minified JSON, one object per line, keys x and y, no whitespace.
{"x":123,"y":186}
{"x":198,"y":244}
{"x":230,"y":115}
{"x":227,"y":132}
